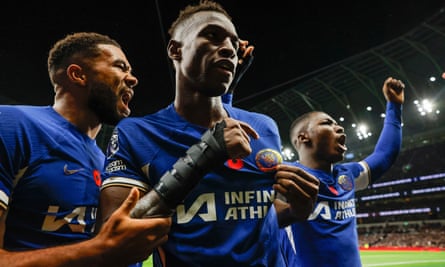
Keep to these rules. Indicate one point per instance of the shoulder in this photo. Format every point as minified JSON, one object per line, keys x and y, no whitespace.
{"x":22,"y":115}
{"x":163,"y":116}
{"x":23,"y":129}
{"x":358,"y":170}
{"x":17,"y":110}
{"x":129,"y":122}
{"x":26,"y":112}
{"x":292,"y":163}
{"x":248,"y":114}
{"x":255,"y":119}
{"x":350,"y":166}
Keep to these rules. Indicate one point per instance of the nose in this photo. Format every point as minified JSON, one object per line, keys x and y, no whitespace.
{"x":131,"y":80}
{"x":227,"y":48}
{"x":339,"y":129}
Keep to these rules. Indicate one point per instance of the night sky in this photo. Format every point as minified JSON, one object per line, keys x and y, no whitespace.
{"x":291,"y":38}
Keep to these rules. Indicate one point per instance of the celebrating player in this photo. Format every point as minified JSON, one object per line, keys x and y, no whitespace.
{"x":232,"y":216}
{"x":329,"y":236}
{"x":50,"y":165}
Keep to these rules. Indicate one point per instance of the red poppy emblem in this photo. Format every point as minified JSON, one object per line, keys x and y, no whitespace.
{"x":97,"y":179}
{"x":235,"y":164}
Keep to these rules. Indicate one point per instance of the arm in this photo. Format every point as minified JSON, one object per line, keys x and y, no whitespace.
{"x":2,"y":226}
{"x":299,"y":189}
{"x":176,"y":183}
{"x":121,"y":241}
{"x":229,"y":139}
{"x":245,"y":60}
{"x":389,"y":143}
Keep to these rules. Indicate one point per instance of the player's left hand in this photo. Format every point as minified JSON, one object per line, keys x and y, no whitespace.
{"x":245,"y":58}
{"x":245,"y":51}
{"x":300,"y":189}
{"x":393,"y":90}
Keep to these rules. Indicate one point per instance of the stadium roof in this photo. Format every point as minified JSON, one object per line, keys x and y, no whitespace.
{"x":351,"y":89}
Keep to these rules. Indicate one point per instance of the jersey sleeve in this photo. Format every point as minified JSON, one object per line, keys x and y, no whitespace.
{"x":13,"y":156}
{"x":389,"y":143}
{"x":122,"y":167}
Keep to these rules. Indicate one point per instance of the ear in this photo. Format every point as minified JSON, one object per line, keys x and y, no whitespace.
{"x":75,"y":74}
{"x":303,"y":137}
{"x":174,"y":50}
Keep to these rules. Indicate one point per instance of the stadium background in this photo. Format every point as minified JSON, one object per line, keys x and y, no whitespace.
{"x":307,"y":57}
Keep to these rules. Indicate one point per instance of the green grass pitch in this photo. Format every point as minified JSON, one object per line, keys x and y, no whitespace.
{"x":391,"y":259}
{"x":403,"y":258}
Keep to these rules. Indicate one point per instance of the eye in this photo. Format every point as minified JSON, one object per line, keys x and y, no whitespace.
{"x":214,"y":33}
{"x":326,"y":122}
{"x":210,"y":35}
{"x":123,"y":66}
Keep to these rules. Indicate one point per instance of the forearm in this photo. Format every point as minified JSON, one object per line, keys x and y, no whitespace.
{"x":389,"y":143}
{"x":185,"y":174}
{"x":82,"y":254}
{"x":285,"y":214}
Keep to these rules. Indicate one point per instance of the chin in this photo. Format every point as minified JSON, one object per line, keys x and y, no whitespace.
{"x":338,"y":158}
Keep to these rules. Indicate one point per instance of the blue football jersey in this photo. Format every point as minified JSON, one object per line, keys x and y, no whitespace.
{"x":49,"y":178}
{"x":329,"y":236}
{"x":225,"y":220}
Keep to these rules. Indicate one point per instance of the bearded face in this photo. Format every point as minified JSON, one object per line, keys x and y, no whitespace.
{"x":103,"y":101}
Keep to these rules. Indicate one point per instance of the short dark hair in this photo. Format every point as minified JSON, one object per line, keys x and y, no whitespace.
{"x":300,"y":123}
{"x":188,"y":11}
{"x":79,"y":43}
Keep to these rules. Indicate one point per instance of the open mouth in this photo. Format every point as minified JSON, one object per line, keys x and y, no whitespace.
{"x":126,"y":97}
{"x":226,"y":65}
{"x":342,"y":142}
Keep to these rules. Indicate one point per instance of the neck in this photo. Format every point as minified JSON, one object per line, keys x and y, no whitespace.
{"x":199,"y":110}
{"x":79,"y":116}
{"x":316,"y":164}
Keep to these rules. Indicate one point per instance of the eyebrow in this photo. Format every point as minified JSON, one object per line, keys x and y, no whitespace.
{"x":234,"y":37}
{"x":121,"y":61}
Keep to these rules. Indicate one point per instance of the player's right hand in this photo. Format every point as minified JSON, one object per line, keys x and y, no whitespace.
{"x":237,"y":136}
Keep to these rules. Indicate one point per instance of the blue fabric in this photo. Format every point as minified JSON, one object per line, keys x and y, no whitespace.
{"x":227,"y":98}
{"x":52,"y":170}
{"x":223,"y":220}
{"x":329,"y":236}
{"x":389,"y":144}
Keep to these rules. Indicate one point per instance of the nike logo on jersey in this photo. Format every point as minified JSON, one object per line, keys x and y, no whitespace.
{"x":69,"y":172}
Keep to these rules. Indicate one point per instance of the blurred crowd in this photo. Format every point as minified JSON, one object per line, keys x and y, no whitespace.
{"x":403,"y":235}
